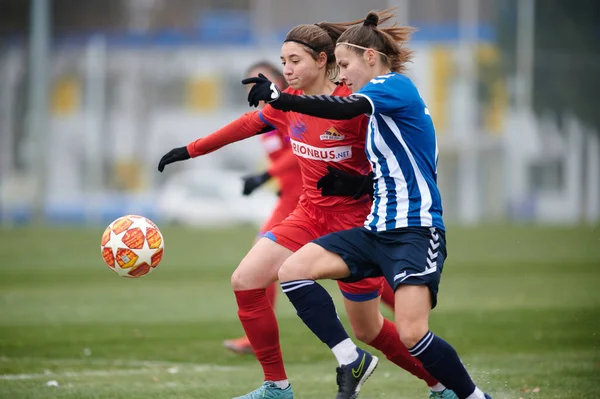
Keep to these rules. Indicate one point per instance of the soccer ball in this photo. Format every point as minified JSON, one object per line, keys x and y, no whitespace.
{"x":132,"y":246}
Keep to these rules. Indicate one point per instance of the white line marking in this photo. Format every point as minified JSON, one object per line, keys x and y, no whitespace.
{"x":149,"y":367}
{"x":67,"y":374}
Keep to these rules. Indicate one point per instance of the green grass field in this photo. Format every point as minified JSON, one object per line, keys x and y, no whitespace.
{"x":520,"y":304}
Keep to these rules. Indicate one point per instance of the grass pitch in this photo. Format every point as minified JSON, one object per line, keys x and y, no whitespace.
{"x":520,"y":304}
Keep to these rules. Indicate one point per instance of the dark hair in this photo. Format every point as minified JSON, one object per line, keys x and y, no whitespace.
{"x":273,"y":69}
{"x":320,"y":38}
{"x":389,"y":41}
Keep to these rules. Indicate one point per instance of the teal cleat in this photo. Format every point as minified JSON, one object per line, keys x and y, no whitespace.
{"x":445,"y":394}
{"x":269,"y":390}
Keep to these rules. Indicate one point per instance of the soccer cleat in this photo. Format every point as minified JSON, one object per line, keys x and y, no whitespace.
{"x":445,"y":394}
{"x":487,"y":396}
{"x":268,"y":390}
{"x":351,"y":377}
{"x":239,"y":345}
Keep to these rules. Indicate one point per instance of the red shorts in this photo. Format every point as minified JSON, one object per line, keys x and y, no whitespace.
{"x":308,"y":222}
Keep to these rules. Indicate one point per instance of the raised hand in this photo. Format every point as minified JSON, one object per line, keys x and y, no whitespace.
{"x":263,"y":90}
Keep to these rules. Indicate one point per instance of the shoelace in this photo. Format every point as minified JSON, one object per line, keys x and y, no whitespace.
{"x":257,"y":390}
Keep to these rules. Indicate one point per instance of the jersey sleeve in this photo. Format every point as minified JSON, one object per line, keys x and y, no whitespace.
{"x":246,"y":126}
{"x":388,"y":93}
{"x":324,"y":106}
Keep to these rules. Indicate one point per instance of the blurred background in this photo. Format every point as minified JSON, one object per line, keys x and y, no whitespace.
{"x":93,"y":92}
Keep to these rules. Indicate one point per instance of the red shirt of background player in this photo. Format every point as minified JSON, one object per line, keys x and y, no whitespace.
{"x":285,"y":169}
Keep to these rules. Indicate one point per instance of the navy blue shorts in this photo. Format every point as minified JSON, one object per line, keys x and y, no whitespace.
{"x":407,"y":255}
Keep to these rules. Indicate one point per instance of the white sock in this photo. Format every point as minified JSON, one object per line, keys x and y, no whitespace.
{"x":439,"y":387}
{"x":345,"y":352}
{"x":477,"y":394}
{"x":283,"y":384}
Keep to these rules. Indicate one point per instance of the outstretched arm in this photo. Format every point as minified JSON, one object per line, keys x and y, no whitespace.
{"x":246,"y":126}
{"x":321,"y":106}
{"x":328,"y":107}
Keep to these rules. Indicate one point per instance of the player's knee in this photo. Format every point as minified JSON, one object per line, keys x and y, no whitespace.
{"x":295,"y":268}
{"x":287,"y":271}
{"x":365,"y":333}
{"x":236,"y":280}
{"x":411,"y":334}
{"x":243,"y":278}
{"x":365,"y":319}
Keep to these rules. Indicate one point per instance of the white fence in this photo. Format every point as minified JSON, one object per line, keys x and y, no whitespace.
{"x":115,"y":111}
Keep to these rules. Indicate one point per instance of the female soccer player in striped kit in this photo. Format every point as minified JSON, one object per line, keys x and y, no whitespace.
{"x":403,"y":237}
{"x":283,"y":167}
{"x":308,"y":58}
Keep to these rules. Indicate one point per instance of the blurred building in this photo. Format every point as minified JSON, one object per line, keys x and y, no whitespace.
{"x":130,"y":79}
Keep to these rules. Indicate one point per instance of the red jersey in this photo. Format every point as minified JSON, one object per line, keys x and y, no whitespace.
{"x":283,"y":164}
{"x":315,"y":141}
{"x":320,"y":142}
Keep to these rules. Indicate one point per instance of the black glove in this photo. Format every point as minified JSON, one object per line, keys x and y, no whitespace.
{"x":263,"y":90}
{"x":175,"y":155}
{"x":253,"y":182}
{"x":340,"y":183}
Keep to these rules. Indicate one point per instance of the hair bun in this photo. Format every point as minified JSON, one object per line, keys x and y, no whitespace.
{"x":371,"y":20}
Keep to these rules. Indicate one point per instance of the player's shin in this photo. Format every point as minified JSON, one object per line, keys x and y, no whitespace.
{"x":442,"y":362}
{"x":259,"y":322}
{"x":316,"y":309}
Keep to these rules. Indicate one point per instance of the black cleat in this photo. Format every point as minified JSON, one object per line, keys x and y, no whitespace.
{"x":351,"y":377}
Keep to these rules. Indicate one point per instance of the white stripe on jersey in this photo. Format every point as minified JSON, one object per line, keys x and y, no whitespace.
{"x":395,"y":173}
{"x":375,"y":139}
{"x":426,"y":201}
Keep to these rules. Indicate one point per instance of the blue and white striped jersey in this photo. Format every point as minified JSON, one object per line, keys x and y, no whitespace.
{"x":402,"y":148}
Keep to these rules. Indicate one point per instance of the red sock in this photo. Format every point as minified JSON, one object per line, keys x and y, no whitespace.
{"x":389,"y":343}
{"x":272,"y":293}
{"x":387,"y":296}
{"x":258,"y":319}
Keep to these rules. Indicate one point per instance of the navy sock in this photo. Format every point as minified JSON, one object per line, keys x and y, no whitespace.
{"x":442,"y":362}
{"x":315,"y":307}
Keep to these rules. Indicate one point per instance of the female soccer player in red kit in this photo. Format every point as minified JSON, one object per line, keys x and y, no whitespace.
{"x":285,"y":169}
{"x":308,"y":58}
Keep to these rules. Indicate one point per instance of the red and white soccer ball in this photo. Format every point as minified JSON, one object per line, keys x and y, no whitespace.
{"x":132,"y":246}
